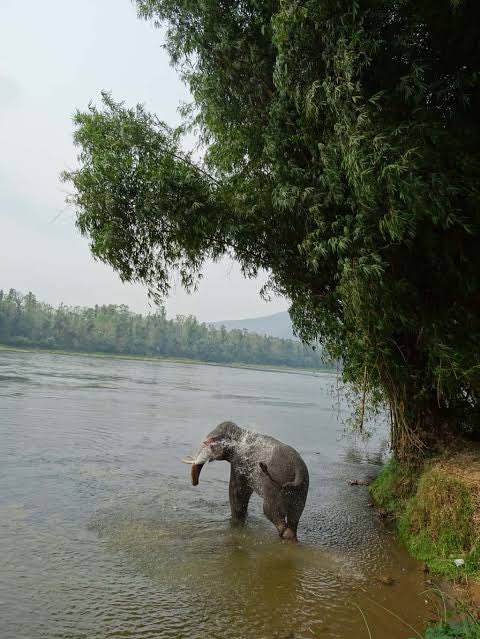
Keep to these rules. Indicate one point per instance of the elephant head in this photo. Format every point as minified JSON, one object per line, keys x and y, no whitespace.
{"x":217,"y":446}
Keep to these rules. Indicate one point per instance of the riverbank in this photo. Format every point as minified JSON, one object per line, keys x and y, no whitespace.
{"x":177,"y":360}
{"x":435,"y":512}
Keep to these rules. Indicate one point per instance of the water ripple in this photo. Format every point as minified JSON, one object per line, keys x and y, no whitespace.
{"x":102,"y":535}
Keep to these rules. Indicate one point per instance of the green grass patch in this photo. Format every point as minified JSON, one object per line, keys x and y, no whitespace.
{"x":394,"y":485}
{"x":463,"y":630}
{"x":437,"y":524}
{"x":434,"y":516}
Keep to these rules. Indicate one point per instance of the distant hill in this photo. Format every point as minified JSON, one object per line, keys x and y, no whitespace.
{"x":276,"y":325}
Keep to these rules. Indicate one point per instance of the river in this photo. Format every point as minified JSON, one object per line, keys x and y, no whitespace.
{"x":102,"y":535}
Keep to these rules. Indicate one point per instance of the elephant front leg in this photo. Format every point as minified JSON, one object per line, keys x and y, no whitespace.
{"x":239,"y":492}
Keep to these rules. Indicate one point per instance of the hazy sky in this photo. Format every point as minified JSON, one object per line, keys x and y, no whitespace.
{"x":56,"y":56}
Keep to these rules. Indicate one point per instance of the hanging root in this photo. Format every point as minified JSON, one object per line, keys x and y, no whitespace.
{"x":405,"y":440}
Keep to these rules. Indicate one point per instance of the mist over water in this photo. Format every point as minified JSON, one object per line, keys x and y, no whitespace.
{"x":102,"y":534}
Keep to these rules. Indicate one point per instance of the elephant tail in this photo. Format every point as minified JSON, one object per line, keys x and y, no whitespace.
{"x":264,"y":469}
{"x":290,"y":484}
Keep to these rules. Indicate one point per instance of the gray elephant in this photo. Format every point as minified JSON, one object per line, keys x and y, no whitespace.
{"x":262,"y":464}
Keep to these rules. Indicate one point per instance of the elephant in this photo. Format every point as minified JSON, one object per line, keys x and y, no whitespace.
{"x":260,"y":464}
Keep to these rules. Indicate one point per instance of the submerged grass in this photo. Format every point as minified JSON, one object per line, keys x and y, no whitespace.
{"x":466,"y":628}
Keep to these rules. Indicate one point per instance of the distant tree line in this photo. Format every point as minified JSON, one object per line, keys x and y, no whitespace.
{"x":26,"y":322}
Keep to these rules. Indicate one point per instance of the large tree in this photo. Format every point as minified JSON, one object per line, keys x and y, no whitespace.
{"x":341,"y":152}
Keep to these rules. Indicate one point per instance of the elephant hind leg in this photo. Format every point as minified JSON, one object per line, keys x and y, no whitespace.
{"x":290,"y":534}
{"x":291,"y":529}
{"x":283,"y":511}
{"x":274,"y":511}
{"x":294,"y":506}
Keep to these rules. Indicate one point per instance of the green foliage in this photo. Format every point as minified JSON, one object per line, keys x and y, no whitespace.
{"x":146,"y":208}
{"x":341,"y":146}
{"x":115,"y":329}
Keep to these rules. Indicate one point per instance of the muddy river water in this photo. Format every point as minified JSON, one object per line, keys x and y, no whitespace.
{"x":102,"y":535}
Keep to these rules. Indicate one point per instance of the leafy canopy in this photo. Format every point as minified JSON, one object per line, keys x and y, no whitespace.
{"x":341,"y":153}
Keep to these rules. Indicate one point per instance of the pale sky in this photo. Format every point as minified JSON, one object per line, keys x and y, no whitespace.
{"x":56,"y":56}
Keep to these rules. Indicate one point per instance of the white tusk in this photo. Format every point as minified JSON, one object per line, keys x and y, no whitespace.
{"x":188,"y":460}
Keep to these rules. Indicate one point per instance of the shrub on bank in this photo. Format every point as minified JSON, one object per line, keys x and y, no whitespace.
{"x":435,"y":514}
{"x":437,"y":524}
{"x":394,"y":485}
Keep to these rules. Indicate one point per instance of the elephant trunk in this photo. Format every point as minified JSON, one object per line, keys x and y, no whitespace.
{"x":198,"y":462}
{"x":196,"y":470}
